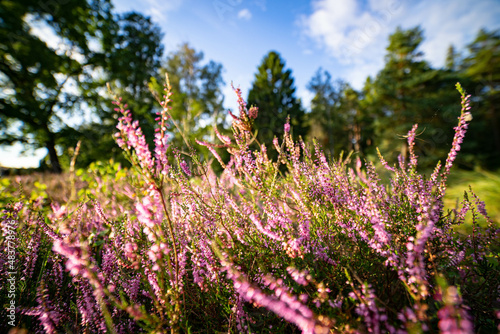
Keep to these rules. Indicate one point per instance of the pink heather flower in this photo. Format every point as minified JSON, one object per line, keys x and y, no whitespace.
{"x":337,"y":303}
{"x":153,"y":282}
{"x":89,"y":308}
{"x":382,"y":161}
{"x":185,"y":168}
{"x":131,"y":134}
{"x":225,"y":139}
{"x":149,"y":211}
{"x":276,"y":144}
{"x":161,"y":146}
{"x":411,"y":145}
{"x":481,"y":207}
{"x":298,"y":276}
{"x":292,"y":248}
{"x":58,"y":210}
{"x":131,"y":286}
{"x":260,"y":228}
{"x":135,"y":312}
{"x":460,"y":216}
{"x":373,"y":316}
{"x":453,"y":318}
{"x":283,"y":304}
{"x":287,"y":127}
{"x":457,"y":140}
{"x":212,"y":149}
{"x":460,"y":131}
{"x":252,"y":113}
{"x":241,"y":102}
{"x":48,"y":316}
{"x":130,"y":250}
{"x":30,"y":261}
{"x":75,"y":263}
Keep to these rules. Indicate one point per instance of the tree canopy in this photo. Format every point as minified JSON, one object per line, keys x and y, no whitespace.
{"x":46,"y":86}
{"x":482,"y":68}
{"x":131,"y":55}
{"x":197,"y":99}
{"x":273,"y":92}
{"x":34,"y":77}
{"x":409,"y":91}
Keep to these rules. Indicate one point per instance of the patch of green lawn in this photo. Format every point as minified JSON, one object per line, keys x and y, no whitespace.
{"x":486,"y":185}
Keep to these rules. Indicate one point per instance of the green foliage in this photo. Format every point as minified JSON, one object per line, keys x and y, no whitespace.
{"x":482,"y":68}
{"x":451,"y":62}
{"x":482,"y":182}
{"x":326,"y":123}
{"x":99,"y":175}
{"x":273,"y":91}
{"x":337,"y":119}
{"x":33,"y":76}
{"x":408,"y":91}
{"x":197,"y":101}
{"x":36,"y":77}
{"x":131,"y":56}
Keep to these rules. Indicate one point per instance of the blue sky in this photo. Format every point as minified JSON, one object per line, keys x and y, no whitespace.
{"x":345,"y":37}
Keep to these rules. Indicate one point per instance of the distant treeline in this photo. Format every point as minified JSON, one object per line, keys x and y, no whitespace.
{"x":42,"y":87}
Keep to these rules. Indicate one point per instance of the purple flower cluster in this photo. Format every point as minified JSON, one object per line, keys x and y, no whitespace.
{"x":453,"y":316}
{"x":131,"y":136}
{"x":282,"y":303}
{"x":460,"y":131}
{"x":323,"y":247}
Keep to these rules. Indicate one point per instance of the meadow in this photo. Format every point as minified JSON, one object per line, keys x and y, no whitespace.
{"x":298,"y":244}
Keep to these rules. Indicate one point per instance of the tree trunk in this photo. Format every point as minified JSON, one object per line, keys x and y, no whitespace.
{"x":496,"y":134}
{"x":54,"y":159}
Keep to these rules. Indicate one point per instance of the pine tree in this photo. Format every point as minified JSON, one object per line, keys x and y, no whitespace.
{"x":408,"y":91}
{"x":326,"y":123}
{"x":273,"y":92}
{"x":482,"y":66}
{"x":451,"y":62}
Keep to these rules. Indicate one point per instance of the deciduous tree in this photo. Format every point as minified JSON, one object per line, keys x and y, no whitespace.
{"x":34,"y":76}
{"x":197,"y":99}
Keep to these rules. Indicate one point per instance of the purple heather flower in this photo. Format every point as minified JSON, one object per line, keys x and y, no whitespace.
{"x":287,"y":127}
{"x":453,"y":317}
{"x":411,"y":145}
{"x":284,"y":306}
{"x":47,"y":314}
{"x":185,"y":168}
{"x":253,"y":112}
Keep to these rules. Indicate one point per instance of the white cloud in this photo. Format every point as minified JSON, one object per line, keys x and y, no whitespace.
{"x":346,"y":30}
{"x":158,"y":10}
{"x":355,"y":33}
{"x":245,"y":14}
{"x":11,"y":157}
{"x":451,"y":22}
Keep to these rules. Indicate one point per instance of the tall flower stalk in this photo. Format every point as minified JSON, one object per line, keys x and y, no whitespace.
{"x":295,"y":244}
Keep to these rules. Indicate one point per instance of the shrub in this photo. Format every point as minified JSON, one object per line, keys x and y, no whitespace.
{"x":296,"y":244}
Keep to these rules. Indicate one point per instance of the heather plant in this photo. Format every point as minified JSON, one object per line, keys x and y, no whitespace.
{"x":296,"y":244}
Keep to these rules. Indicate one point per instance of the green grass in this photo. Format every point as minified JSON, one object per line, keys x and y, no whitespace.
{"x":486,"y":185}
